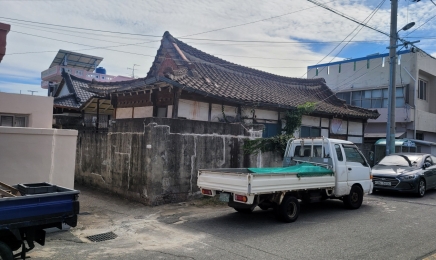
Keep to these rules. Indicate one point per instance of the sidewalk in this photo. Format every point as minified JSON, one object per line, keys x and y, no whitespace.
{"x":139,"y":229}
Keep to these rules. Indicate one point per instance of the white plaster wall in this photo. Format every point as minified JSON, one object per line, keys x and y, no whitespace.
{"x":355,"y":128}
{"x":124,"y":112}
{"x":193,"y":110}
{"x":142,"y":112}
{"x":64,"y":91}
{"x":31,"y":155}
{"x":325,"y":133}
{"x":38,"y":108}
{"x":170,"y":111}
{"x":266,"y":114}
{"x":325,"y":122}
{"x":310,"y":121}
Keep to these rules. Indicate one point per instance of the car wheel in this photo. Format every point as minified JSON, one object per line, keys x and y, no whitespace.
{"x":421,"y":188}
{"x":289,"y":209}
{"x":5,"y":252}
{"x":355,"y":199}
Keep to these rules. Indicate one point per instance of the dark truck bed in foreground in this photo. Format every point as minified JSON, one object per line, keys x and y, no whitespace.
{"x":27,"y":209}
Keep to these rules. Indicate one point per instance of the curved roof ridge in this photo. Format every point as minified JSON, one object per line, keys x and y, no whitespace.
{"x":208,"y":58}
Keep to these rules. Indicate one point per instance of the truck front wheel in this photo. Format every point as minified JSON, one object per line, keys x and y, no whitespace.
{"x":5,"y":252}
{"x":289,"y":209}
{"x":355,"y":199}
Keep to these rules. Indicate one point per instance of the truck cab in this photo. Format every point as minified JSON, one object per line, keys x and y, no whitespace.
{"x":343,"y":157}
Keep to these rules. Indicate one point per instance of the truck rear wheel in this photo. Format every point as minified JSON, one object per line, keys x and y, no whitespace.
{"x":355,"y":199}
{"x":5,"y":252}
{"x":289,"y":209}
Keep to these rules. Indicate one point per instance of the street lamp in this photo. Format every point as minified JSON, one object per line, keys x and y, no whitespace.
{"x":390,"y":133}
{"x":407,"y":26}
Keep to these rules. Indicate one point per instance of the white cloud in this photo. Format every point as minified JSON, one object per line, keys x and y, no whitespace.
{"x":183,"y":18}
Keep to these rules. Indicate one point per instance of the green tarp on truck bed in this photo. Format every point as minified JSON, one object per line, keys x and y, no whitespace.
{"x":301,"y":170}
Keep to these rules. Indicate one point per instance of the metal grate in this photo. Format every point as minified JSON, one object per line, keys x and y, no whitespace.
{"x":102,"y":237}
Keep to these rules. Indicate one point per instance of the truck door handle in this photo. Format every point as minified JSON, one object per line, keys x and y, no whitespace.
{"x":349,"y":169}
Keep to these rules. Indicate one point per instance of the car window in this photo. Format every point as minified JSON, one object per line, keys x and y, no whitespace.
{"x":353,"y":155}
{"x":428,"y":160}
{"x":339,"y":152}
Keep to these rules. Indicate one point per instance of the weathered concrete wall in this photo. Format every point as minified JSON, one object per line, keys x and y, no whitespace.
{"x":155,"y":160}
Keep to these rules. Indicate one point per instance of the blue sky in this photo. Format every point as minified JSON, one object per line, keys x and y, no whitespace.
{"x":282,"y":48}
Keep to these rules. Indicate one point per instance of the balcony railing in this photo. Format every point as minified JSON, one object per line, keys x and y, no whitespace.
{"x":54,"y":74}
{"x":57,"y":70}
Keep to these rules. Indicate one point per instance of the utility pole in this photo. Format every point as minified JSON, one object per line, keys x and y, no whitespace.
{"x":133,"y":70}
{"x":390,"y":135}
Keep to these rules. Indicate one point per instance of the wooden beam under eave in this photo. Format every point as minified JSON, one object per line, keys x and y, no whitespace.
{"x":87,"y":105}
{"x":177,"y":92}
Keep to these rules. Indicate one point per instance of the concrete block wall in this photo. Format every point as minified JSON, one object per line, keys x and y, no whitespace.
{"x":154,"y":164}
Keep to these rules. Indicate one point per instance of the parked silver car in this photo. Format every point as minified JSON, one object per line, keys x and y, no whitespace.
{"x":405,"y":172}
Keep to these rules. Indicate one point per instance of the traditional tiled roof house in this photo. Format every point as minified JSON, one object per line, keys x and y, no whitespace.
{"x":184,"y":82}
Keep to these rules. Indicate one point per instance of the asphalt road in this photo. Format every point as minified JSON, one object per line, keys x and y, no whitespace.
{"x":387,"y":226}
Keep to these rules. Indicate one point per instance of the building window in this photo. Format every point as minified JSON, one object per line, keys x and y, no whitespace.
{"x":367,"y":64}
{"x":422,"y":89}
{"x":328,"y":70}
{"x":307,"y":131}
{"x":419,"y":136}
{"x":13,"y":120}
{"x":339,"y":68}
{"x":271,"y":130}
{"x":375,"y":98}
{"x":383,"y":62}
{"x":354,"y":66}
{"x":316,"y":72}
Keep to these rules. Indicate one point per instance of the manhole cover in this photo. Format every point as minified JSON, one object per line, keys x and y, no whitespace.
{"x":102,"y":237}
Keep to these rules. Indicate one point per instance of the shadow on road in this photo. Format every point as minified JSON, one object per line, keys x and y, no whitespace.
{"x":401,"y":195}
{"x":265,"y":220}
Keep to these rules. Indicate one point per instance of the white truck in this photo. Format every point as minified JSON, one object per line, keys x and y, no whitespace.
{"x":313,"y":169}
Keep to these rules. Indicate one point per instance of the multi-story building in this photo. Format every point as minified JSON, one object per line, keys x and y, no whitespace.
{"x":363,"y":82}
{"x":4,"y":29}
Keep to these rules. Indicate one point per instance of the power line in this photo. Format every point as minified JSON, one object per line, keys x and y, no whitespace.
{"x":147,"y":35}
{"x":80,"y":28}
{"x":273,"y":17}
{"x":367,"y":19}
{"x":347,"y":17}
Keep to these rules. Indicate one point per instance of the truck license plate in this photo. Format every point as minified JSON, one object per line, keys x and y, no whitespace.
{"x":383,"y":183}
{"x":225,"y":197}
